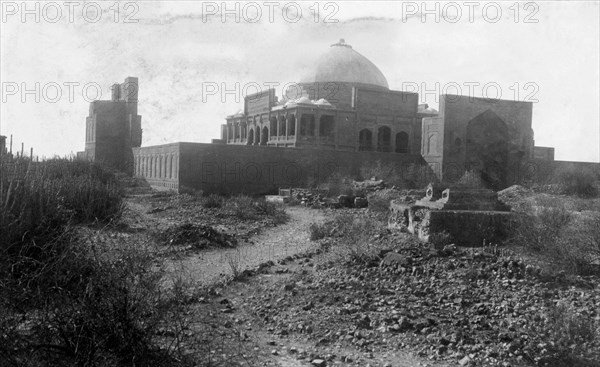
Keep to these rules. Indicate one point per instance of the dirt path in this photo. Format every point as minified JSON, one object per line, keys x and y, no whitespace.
{"x":271,"y":245}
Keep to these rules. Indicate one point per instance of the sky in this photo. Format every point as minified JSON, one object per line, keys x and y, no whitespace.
{"x":196,"y":60}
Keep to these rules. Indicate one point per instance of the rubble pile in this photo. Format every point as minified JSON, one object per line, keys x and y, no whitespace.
{"x":472,"y":308}
{"x":197,"y":236}
{"x":310,"y":198}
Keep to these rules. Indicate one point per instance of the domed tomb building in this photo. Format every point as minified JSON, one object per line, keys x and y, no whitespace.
{"x":344,"y":104}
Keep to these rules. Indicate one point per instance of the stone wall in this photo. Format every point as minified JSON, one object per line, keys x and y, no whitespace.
{"x":254,"y":170}
{"x":159,"y":165}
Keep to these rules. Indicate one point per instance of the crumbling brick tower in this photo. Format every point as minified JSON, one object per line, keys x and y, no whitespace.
{"x":114,"y":127}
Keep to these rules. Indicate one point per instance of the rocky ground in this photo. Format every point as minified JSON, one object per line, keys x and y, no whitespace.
{"x":402,"y":304}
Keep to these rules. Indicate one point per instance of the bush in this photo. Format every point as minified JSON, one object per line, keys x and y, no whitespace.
{"x":581,"y":182}
{"x":565,"y":240}
{"x":319,"y":231}
{"x":68,"y":299}
{"x":212,"y":201}
{"x":38,"y":199}
{"x":354,"y":235}
{"x":569,"y":331}
{"x":379,"y":201}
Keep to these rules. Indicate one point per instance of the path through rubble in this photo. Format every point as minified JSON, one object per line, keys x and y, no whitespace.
{"x":272,"y":244}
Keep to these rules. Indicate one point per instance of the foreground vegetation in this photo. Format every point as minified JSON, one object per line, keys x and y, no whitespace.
{"x":75,"y":290}
{"x":62,"y":299}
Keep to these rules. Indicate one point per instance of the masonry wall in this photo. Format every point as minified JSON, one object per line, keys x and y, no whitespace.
{"x":256,"y":170}
{"x":158,"y":164}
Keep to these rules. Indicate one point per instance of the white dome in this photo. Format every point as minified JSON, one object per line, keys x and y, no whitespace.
{"x":342,"y":64}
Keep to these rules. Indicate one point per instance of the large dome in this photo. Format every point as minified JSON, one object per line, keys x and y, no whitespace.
{"x":343,"y":64}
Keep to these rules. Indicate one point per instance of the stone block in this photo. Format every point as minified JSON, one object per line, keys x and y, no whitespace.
{"x":467,"y":227}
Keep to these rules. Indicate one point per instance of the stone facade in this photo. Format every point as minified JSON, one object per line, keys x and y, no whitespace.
{"x":490,"y":136}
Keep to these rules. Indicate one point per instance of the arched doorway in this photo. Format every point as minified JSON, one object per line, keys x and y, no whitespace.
{"x":264,"y":136}
{"x":250,"y":136}
{"x":487,"y":149}
{"x":402,"y":142}
{"x":365,"y":140}
{"x":384,"y":139}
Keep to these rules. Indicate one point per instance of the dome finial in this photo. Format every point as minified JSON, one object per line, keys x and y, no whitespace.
{"x":342,"y":42}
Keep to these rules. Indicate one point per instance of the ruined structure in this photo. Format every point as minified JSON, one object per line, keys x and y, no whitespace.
{"x":468,"y":216}
{"x":339,"y":118}
{"x":114,"y":127}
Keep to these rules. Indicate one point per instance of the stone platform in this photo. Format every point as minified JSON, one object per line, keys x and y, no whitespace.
{"x":468,"y":216}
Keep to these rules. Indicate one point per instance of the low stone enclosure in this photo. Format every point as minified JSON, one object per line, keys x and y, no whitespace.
{"x":468,"y":217}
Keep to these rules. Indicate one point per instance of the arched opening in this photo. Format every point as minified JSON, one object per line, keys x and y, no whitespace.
{"x":307,"y":125}
{"x":176,"y":167}
{"x":487,"y":149}
{"x":384,"y":139}
{"x":273,"y":126}
{"x":365,"y":140}
{"x":291,"y":125}
{"x":282,"y":130}
{"x":169,"y":166}
{"x":250,"y":136}
{"x":432,"y":144}
{"x":244,"y":130}
{"x":229,"y":132}
{"x":265,"y":136}
{"x":327,"y":126}
{"x":402,"y":142}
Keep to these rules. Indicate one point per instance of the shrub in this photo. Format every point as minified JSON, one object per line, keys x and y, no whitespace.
{"x":354,"y":235}
{"x":212,"y":201}
{"x":319,"y":231}
{"x":233,"y":260}
{"x":566,"y":241}
{"x":581,"y":182}
{"x":67,"y":299}
{"x":38,"y":199}
{"x":569,"y":331}
{"x":379,"y":201}
{"x":242,"y":207}
{"x":440,"y":239}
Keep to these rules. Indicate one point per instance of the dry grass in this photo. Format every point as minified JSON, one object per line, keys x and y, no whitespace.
{"x":67,"y":298}
{"x":563,"y":239}
{"x":353,"y":235}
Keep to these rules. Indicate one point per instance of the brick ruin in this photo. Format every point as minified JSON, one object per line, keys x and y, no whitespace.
{"x":340,"y":117}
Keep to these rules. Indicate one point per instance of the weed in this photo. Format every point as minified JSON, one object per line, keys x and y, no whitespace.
{"x":212,"y":201}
